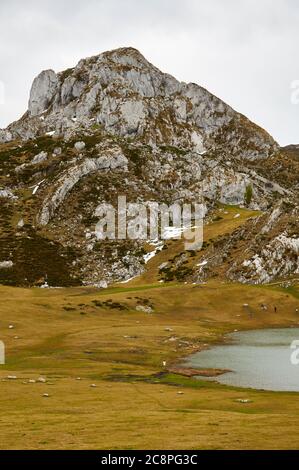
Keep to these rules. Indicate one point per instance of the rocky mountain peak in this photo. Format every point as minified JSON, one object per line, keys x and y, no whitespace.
{"x":46,"y":83}
{"x":127,"y":56}
{"x":127,"y":96}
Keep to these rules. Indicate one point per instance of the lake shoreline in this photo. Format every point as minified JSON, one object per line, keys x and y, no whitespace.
{"x":257,"y":359}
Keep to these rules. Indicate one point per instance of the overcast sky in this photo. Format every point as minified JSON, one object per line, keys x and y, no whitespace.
{"x":244,"y":51}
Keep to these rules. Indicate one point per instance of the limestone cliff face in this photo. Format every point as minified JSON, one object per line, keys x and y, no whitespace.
{"x":129,"y":97}
{"x":116,"y":125}
{"x":42,"y":92}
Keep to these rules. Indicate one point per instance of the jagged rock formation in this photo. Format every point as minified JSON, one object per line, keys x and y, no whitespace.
{"x":115,"y":124}
{"x":42,"y":92}
{"x":124,"y":93}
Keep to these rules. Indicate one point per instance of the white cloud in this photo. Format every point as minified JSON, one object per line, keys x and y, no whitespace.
{"x":245,"y":51}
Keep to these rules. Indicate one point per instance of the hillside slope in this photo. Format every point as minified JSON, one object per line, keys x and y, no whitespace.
{"x":116,"y":125}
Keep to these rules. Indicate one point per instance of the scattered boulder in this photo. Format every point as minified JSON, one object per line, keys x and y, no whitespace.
{"x":144,"y":308}
{"x":79,"y":146}
{"x":39,"y":158}
{"x":20,"y":168}
{"x":41,"y":380}
{"x":7,"y":194}
{"x":57,"y":151}
{"x":6,"y":264}
{"x":101,"y":285}
{"x":21,"y":223}
{"x":163,"y":265}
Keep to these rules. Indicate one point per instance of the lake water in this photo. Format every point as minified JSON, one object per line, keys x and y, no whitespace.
{"x":259,"y":359}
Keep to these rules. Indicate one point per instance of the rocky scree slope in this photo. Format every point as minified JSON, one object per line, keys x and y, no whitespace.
{"x":116,"y":125}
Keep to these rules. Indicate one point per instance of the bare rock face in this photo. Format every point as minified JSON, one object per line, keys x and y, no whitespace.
{"x":5,"y":136}
{"x":111,"y":161}
{"x":42,"y":92}
{"x":7,"y":193}
{"x":129,"y":97}
{"x":41,"y":157}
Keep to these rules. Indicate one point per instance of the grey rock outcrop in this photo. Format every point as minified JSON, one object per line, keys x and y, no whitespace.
{"x":5,"y":136}
{"x":7,"y":194}
{"x":39,"y":158}
{"x":42,"y":92}
{"x":111,"y":161}
{"x":79,"y":146}
{"x":279,"y":258}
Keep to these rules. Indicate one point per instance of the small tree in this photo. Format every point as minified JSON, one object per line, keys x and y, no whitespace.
{"x":248,"y":194}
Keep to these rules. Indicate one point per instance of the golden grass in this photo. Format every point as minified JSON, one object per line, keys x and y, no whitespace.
{"x":63,"y":334}
{"x":114,"y":349}
{"x":226,"y":224}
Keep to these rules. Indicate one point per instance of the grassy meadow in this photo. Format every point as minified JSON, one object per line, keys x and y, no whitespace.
{"x":106,"y":385}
